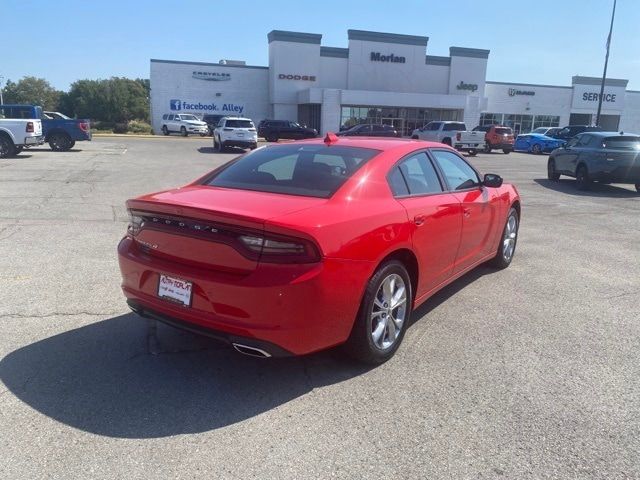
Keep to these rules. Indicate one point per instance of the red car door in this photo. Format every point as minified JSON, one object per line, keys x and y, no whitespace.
{"x":435,"y":217}
{"x":480,"y":208}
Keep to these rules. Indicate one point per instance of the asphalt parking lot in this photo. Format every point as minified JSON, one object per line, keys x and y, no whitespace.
{"x":531,"y":372}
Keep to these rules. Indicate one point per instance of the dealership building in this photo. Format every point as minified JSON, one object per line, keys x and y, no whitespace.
{"x":380,"y":78}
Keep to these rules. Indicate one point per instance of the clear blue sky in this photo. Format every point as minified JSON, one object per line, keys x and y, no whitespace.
{"x":539,"y":41}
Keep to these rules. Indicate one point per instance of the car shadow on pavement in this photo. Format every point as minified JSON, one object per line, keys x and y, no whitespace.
{"x":568,"y":186}
{"x":102,"y":378}
{"x":227,"y":150}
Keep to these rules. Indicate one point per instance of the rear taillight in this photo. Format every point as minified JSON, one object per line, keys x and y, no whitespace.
{"x":136,"y":223}
{"x":458,"y":136}
{"x":84,"y":126}
{"x":274,"y":249}
{"x":30,"y":127}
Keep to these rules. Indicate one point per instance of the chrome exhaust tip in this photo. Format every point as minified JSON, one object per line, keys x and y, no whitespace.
{"x":251,"y":351}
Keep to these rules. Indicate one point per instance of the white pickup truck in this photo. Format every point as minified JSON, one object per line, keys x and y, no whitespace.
{"x":17,"y":133}
{"x":454,"y":134}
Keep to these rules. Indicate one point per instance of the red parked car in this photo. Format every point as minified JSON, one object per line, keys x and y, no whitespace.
{"x":298,"y":247}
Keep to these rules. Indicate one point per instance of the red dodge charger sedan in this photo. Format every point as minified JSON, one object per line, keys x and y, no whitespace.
{"x":297,"y":247}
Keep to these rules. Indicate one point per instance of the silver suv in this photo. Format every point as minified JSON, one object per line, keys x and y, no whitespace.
{"x":235,"y":132}
{"x":183,"y":123}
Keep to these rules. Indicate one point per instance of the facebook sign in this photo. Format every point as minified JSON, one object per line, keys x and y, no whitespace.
{"x":175,"y":104}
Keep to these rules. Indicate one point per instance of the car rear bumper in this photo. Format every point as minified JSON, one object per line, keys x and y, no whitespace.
{"x":297,"y":308}
{"x":502,"y":146}
{"x":37,"y":140}
{"x":469,"y":146}
{"x":241,"y":143}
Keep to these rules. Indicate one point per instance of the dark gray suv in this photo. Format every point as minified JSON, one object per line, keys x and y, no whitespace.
{"x":605,"y":157}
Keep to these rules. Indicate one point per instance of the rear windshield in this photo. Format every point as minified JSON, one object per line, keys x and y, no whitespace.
{"x":454,"y":126}
{"x":504,"y":131}
{"x":306,"y":170}
{"x":624,"y":143}
{"x":240,"y":124}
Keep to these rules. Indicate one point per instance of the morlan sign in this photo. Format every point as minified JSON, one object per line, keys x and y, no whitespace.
{"x":391,"y":58}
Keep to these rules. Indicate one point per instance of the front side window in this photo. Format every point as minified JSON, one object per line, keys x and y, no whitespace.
{"x":418,"y":176}
{"x":307,"y":170}
{"x":457,"y":172}
{"x":584,"y":140}
{"x":574,"y":141}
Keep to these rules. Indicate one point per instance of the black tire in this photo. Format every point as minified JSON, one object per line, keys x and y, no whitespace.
{"x":272,"y":138}
{"x":253,"y":147}
{"x":60,"y":142}
{"x":536,"y":149}
{"x":500,"y":261}
{"x":7,"y":148}
{"x":415,"y":137}
{"x":506,"y":151}
{"x":487,"y":148}
{"x":446,"y":141}
{"x":551,"y":171}
{"x":183,"y":132}
{"x":638,"y":187}
{"x":583,"y":182}
{"x":165,"y":130}
{"x":18,"y":149}
{"x":203,"y":134}
{"x":72,"y":144}
{"x":473,"y":152}
{"x":360,"y":344}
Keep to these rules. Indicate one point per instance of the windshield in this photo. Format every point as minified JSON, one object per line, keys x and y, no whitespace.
{"x":505,"y":131}
{"x":307,"y":170}
{"x":189,"y":118}
{"x":239,"y":124}
{"x":622,"y":143}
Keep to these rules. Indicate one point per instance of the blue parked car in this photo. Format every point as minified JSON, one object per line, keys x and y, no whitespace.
{"x":60,"y":131}
{"x":536,"y":143}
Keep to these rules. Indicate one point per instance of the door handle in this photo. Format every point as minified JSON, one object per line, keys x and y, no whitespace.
{"x":466,"y":212}
{"x":419,"y":219}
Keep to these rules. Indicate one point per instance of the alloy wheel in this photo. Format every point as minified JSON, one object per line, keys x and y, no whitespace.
{"x":388,"y":312}
{"x":509,"y":238}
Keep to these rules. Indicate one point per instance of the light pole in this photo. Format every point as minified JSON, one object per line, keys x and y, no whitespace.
{"x":606,"y":61}
{"x":1,"y":100}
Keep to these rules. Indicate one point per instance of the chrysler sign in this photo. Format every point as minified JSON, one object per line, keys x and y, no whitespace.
{"x":211,"y":76}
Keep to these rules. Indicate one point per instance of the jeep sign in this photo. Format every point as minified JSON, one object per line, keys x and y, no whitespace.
{"x":467,"y":86}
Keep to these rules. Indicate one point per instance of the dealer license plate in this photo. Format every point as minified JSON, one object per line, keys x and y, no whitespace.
{"x":175,"y":290}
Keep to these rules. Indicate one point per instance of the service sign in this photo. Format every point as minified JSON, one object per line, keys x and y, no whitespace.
{"x":586,"y":97}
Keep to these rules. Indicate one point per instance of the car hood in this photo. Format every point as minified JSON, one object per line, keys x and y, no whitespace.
{"x":196,"y":123}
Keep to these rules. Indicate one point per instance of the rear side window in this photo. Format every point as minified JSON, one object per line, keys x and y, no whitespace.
{"x":448,"y":127}
{"x":239,"y":124}
{"x":414,"y":176}
{"x":458,"y":173}
{"x":164,"y":117}
{"x":307,"y":170}
{"x":584,"y":140}
{"x":622,"y":143}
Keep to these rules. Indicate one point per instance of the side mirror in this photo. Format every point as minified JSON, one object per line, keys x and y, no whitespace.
{"x":492,"y":180}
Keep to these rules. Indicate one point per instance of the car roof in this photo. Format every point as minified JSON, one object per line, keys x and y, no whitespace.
{"x":609,"y":134}
{"x":236,"y":118}
{"x":377,"y":143}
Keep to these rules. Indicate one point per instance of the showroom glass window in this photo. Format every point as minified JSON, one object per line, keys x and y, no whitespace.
{"x":546,"y":121}
{"x":458,"y":173}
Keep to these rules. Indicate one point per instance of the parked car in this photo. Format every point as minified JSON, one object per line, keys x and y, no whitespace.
{"x":60,"y":131}
{"x":273,"y":130}
{"x":536,"y":143}
{"x":548,"y":131}
{"x":605,"y":157}
{"x":454,"y":134}
{"x":212,"y":122}
{"x":18,"y":133}
{"x":298,"y":247}
{"x":571,"y":131}
{"x":497,"y":137}
{"x":370,"y":130}
{"x":183,"y":123}
{"x":235,"y":132}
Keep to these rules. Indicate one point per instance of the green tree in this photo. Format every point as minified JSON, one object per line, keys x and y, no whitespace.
{"x":33,"y":91}
{"x":116,"y":100}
